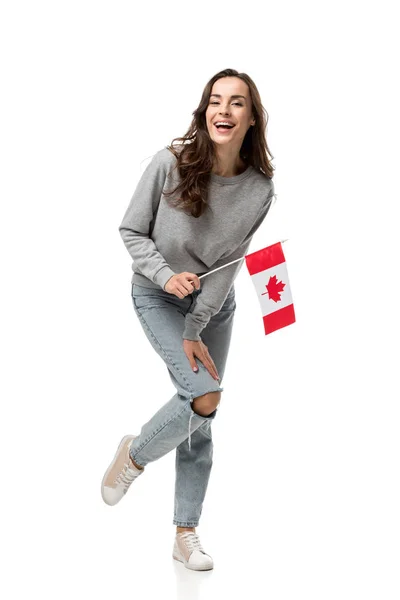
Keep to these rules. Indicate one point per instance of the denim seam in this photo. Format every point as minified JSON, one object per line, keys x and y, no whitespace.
{"x":177,"y":414}
{"x":189,"y":385}
{"x":204,"y":432}
{"x":191,"y":390}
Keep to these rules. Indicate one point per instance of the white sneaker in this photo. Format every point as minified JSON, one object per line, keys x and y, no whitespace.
{"x":188,"y":549}
{"x":120,"y":473}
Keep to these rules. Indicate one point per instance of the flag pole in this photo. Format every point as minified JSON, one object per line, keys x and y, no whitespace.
{"x":230,"y":263}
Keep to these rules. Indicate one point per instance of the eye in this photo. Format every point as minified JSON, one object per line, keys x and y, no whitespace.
{"x":238,"y":103}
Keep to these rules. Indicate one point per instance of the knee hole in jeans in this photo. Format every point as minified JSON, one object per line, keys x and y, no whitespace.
{"x":206,"y":404}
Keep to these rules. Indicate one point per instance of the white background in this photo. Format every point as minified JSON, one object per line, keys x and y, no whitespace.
{"x":304,"y":494}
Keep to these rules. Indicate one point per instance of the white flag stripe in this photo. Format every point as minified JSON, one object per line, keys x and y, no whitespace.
{"x":260,"y":281}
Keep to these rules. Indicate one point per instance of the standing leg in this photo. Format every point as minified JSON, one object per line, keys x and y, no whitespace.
{"x":193,"y":467}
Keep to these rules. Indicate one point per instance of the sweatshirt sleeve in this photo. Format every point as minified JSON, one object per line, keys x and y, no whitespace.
{"x":215,"y":287}
{"x":136,"y":223}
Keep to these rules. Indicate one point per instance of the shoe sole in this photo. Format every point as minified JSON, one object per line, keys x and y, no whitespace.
{"x":188,"y":566}
{"x":122,"y":443}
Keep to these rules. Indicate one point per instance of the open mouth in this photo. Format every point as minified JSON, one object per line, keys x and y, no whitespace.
{"x":224,"y":129}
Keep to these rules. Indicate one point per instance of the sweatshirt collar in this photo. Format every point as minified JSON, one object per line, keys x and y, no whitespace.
{"x":230,"y":180}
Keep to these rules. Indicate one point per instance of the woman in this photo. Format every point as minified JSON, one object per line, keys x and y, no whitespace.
{"x":196,"y":207}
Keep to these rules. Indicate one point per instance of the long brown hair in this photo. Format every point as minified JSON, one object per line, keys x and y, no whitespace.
{"x":195,"y":156}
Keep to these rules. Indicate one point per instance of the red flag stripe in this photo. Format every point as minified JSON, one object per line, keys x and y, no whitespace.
{"x":278,"y":319}
{"x":265,"y":259}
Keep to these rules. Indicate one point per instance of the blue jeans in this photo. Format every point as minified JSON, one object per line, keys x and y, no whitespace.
{"x":176,"y":424}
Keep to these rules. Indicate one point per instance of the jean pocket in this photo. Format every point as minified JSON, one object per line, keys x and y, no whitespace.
{"x":144,"y":298}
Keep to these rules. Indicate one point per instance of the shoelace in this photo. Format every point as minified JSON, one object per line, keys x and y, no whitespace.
{"x":192,"y":540}
{"x":126,"y":476}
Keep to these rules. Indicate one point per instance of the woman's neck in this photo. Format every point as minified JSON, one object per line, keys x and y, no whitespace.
{"x":228,"y":162}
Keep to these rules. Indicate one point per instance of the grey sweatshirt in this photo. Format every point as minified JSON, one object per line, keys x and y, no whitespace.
{"x":163,"y":240}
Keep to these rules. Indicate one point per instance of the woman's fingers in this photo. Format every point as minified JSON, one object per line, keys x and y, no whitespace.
{"x":185,"y":291}
{"x":214,"y":368}
{"x":193,"y":350}
{"x":189,"y":281}
{"x":182,"y":291}
{"x":210,"y":365}
{"x":182,"y":284}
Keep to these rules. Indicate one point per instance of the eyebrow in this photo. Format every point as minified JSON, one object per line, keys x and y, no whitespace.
{"x":234,"y":96}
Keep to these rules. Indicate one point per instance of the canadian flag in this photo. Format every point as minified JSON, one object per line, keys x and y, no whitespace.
{"x":267,"y":268}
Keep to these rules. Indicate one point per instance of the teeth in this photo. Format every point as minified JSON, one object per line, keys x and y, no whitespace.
{"x":223,"y":123}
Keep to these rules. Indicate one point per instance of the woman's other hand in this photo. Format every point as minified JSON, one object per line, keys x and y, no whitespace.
{"x":182,"y":284}
{"x":198,"y":349}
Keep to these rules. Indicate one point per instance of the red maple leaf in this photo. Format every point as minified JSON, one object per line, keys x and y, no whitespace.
{"x":274,"y":289}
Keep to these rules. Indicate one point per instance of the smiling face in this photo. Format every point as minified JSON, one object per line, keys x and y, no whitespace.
{"x":229,"y":102}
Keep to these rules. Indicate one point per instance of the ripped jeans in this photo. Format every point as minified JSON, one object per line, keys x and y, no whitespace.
{"x":175,"y":424}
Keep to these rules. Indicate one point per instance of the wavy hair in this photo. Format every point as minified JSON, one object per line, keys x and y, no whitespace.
{"x":195,"y":156}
